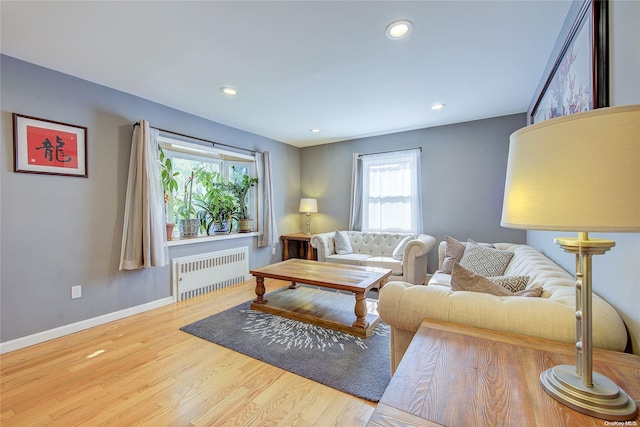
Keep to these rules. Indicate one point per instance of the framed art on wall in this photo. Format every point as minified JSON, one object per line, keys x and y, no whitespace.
{"x":577,"y":79}
{"x":48,"y":147}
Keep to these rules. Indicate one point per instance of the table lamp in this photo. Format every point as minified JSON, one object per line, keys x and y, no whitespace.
{"x":308,"y":206}
{"x":579,"y":173}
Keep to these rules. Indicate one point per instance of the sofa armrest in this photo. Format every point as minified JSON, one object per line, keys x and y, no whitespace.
{"x":427,"y":243}
{"x":414,"y":259}
{"x":324,"y":245}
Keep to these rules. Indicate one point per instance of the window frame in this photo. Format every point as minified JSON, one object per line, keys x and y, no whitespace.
{"x":177,"y":148}
{"x":379,"y":161}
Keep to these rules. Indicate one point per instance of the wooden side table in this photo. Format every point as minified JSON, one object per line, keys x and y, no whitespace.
{"x":302,"y":246}
{"x":456,"y":375}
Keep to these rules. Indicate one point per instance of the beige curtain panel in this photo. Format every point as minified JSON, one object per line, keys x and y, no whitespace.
{"x":269,"y":236}
{"x":143,"y":234}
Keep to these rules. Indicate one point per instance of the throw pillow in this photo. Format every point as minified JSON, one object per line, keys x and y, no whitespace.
{"x":398,"y":252}
{"x":342,"y":243}
{"x":512,"y":283}
{"x":488,"y":262}
{"x":453,"y":252}
{"x":465,"y":280}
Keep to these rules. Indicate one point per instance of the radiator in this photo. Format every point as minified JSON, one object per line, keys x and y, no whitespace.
{"x":199,"y":274}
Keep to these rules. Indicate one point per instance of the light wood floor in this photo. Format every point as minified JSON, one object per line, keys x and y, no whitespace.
{"x":142,"y":370}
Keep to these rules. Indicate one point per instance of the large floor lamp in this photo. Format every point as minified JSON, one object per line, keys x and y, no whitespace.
{"x":579,"y":173}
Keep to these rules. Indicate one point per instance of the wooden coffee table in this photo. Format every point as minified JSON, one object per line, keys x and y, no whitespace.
{"x":329,"y":309}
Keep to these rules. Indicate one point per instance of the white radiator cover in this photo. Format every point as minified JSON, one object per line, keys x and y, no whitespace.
{"x":198,"y":274}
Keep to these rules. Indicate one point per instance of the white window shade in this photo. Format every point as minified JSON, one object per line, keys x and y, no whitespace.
{"x":390,"y":192}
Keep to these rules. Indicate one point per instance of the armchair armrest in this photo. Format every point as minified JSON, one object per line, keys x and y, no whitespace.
{"x":414,"y":260}
{"x":428,"y":243}
{"x":324,"y":245}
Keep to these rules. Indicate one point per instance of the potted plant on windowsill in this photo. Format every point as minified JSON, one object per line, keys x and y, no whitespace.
{"x":216,"y":204}
{"x":218,"y":216}
{"x":169,"y":185}
{"x":239,"y":187}
{"x":187,"y":225}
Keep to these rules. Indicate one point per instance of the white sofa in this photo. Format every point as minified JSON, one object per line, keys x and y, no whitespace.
{"x":552,"y":316}
{"x":376,"y":250}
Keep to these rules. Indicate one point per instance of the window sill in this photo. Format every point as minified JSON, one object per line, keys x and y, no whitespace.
{"x":209,"y":239}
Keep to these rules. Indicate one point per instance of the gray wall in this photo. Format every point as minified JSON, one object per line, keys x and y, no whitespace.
{"x":463,"y":171}
{"x":58,"y":231}
{"x":616,"y":275}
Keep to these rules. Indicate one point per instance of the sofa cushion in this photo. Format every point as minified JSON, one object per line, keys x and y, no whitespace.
{"x":532,"y":292}
{"x":398,"y":252}
{"x":384,"y":262}
{"x":485,"y":261}
{"x":454,"y":250}
{"x":353,"y":259}
{"x":513,"y":283}
{"x":342,"y":243}
{"x":465,"y":280}
{"x":441,"y":278}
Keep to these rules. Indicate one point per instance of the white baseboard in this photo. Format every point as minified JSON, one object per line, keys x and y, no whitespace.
{"x":39,"y":337}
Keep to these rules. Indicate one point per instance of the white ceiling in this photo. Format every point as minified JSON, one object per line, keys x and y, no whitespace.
{"x":299,"y":65}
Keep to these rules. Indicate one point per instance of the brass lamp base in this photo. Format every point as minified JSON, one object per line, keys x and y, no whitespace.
{"x":578,"y":387}
{"x":602,"y":400}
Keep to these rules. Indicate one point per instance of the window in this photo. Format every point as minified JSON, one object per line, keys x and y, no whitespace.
{"x":201,"y":190}
{"x":386,"y":193}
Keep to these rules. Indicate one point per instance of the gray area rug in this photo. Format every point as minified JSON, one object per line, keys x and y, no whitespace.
{"x":342,"y":361}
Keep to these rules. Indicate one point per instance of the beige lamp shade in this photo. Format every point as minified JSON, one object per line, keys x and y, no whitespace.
{"x":576,"y":173}
{"x":308,"y":206}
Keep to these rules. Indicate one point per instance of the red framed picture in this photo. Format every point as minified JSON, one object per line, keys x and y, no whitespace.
{"x":48,"y":147}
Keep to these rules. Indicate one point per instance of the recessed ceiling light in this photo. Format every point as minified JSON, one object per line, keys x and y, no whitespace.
{"x":228,"y":91}
{"x":437,"y":106}
{"x":314,"y":130}
{"x":398,"y":29}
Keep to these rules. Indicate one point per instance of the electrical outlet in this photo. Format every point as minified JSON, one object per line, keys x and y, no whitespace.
{"x":273,"y":250}
{"x":76,"y":291}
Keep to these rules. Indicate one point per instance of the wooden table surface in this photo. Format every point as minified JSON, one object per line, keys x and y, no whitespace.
{"x":336,"y":276}
{"x":456,"y":375}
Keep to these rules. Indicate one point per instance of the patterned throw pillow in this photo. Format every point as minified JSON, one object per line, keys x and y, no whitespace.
{"x":453,"y":252}
{"x":511,"y":283}
{"x":465,"y":280}
{"x":485,"y":261}
{"x":342,"y":243}
{"x":398,"y":252}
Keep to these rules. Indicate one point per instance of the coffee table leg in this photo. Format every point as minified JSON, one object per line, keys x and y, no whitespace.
{"x":260,"y":290}
{"x":361,"y":311}
{"x":293,"y":285}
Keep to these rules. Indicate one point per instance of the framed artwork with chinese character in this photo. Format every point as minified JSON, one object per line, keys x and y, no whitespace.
{"x":577,"y":79}
{"x":48,"y":147}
